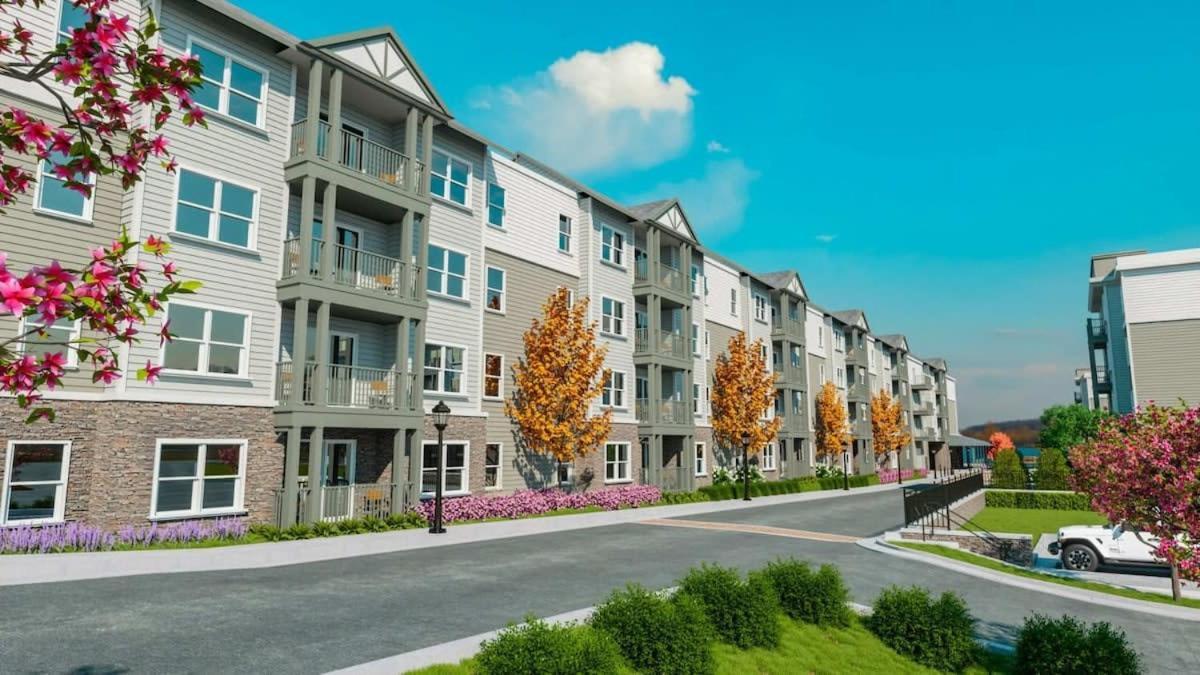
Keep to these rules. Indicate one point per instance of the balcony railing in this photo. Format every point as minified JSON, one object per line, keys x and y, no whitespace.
{"x":860,"y":427}
{"x":674,"y":412}
{"x":923,"y":407}
{"x":664,"y":275}
{"x":1097,"y":330}
{"x":347,"y":387}
{"x":378,"y":161}
{"x":641,"y":409}
{"x":356,"y":268}
{"x":672,"y":344}
{"x":345,"y":502}
{"x":859,"y":390}
{"x":923,"y":382}
{"x":787,"y":326}
{"x":641,"y":340}
{"x":674,"y":479}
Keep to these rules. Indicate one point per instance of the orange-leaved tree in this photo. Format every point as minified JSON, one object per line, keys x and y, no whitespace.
{"x":832,"y":429}
{"x":555,"y":382}
{"x":888,"y":430}
{"x":999,"y":441}
{"x":743,"y":392}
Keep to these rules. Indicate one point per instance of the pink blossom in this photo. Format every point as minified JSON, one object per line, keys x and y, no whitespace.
{"x":151,"y":372}
{"x":16,"y":295}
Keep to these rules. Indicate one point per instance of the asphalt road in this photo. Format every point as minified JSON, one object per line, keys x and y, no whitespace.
{"x":316,"y":617}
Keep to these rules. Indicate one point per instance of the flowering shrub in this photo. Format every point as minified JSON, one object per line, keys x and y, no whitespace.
{"x":889,"y":475}
{"x":534,"y":502}
{"x":75,"y":536}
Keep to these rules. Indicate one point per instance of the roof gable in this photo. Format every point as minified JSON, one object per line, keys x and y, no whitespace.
{"x":669,"y":213}
{"x":380,"y":53}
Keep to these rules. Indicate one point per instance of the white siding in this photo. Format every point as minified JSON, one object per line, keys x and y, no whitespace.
{"x":815,"y":338}
{"x":533,"y":205}
{"x":1162,"y":294}
{"x":607,"y":280}
{"x":721,"y":280}
{"x":700,"y":363}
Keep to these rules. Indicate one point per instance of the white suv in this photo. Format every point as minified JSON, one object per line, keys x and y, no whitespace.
{"x":1083,"y":548}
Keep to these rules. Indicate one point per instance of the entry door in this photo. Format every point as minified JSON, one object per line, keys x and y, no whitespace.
{"x":337,"y":471}
{"x":342,"y":347}
{"x":347,"y":241}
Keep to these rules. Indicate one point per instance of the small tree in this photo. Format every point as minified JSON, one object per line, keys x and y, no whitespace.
{"x":1052,"y":472}
{"x":743,"y":392}
{"x":1007,"y":472}
{"x":555,"y":382}
{"x":1066,"y":426}
{"x":832,"y":429}
{"x":887,"y":426}
{"x":998,"y":441}
{"x":1143,"y":470}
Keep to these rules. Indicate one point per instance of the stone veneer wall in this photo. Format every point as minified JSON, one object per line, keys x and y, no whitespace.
{"x":1019,"y":552}
{"x":111,"y":471}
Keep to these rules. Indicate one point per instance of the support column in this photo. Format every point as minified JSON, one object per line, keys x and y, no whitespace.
{"x":403,"y":391}
{"x":406,"y":250}
{"x":329,"y":230}
{"x":410,"y":148}
{"x":418,"y":365}
{"x":299,"y":345}
{"x":427,"y":123}
{"x":334,"y":103}
{"x":415,"y":456}
{"x":321,"y":356}
{"x":422,"y":255}
{"x":316,"y":482}
{"x":316,"y":78}
{"x":399,"y":470}
{"x":291,"y":477}
{"x":308,"y":198}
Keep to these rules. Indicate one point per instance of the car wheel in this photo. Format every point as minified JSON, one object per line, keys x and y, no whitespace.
{"x":1080,"y":558}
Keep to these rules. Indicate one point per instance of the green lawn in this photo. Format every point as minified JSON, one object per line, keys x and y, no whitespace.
{"x":804,"y":648}
{"x":1034,"y":522}
{"x":993,"y":564}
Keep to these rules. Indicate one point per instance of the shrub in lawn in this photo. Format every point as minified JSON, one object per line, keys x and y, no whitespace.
{"x":537,"y":648}
{"x":1067,"y":646}
{"x":936,"y":633}
{"x":407,"y":520}
{"x":744,"y":613}
{"x":1052,"y":470}
{"x":1026,"y":499}
{"x":683,"y":497}
{"x":815,"y":597}
{"x":1007,"y":471}
{"x":656,"y":634}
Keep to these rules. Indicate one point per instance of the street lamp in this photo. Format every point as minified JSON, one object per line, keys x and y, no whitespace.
{"x":441,"y":416}
{"x":746,"y":466}
{"x":845,"y":470}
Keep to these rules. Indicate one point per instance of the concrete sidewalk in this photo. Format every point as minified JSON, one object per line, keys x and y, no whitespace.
{"x":58,"y":567}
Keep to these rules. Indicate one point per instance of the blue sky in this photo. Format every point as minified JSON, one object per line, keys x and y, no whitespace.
{"x":947,"y":167}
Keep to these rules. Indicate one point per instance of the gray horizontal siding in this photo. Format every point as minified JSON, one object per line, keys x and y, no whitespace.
{"x":1166,"y":361}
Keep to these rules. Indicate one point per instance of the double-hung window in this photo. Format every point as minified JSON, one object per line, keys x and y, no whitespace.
{"x":454,"y":467}
{"x":60,"y":337}
{"x":495,"y":210}
{"x":696,"y":339}
{"x":495,"y":290}
{"x":35,"y":482}
{"x":198,"y":477}
{"x":612,"y":246}
{"x":564,"y":234}
{"x":760,"y":308}
{"x":617,"y":463}
{"x":492,"y":452}
{"x":206,"y":341}
{"x":612,"y":316}
{"x":695,"y":399}
{"x":70,"y":18}
{"x":230,"y":86}
{"x":493,"y":376}
{"x":444,"y":368}
{"x":53,"y":195}
{"x":696,"y":279}
{"x":450,"y":178}
{"x":447,"y":274}
{"x":768,"y":457}
{"x":214,"y":209}
{"x":733,"y":310}
{"x":701,"y":460}
{"x":614,"y":390}
{"x":797,"y":403}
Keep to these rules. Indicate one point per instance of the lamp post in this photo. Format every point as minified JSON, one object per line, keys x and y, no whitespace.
{"x":845,"y":470}
{"x":441,"y":416}
{"x":745,"y":467}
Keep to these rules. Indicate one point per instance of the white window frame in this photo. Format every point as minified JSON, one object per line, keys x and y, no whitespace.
{"x":239,"y":490}
{"x":567,"y":480}
{"x":58,"y":19}
{"x":769,"y":460}
{"x":696,"y":409}
{"x":760,"y":308}
{"x":487,"y":288}
{"x":466,"y":203}
{"x":205,"y":343}
{"x":695,"y":339}
{"x":225,"y":85}
{"x":569,"y":233}
{"x":610,"y":392}
{"x":611,"y":252}
{"x":612,"y":319}
{"x":466,"y":468}
{"x":618,"y":463}
{"x":30,"y":322}
{"x":60,"y":493}
{"x":701,"y":451}
{"x":499,"y":378}
{"x":466,"y":368}
{"x":215,"y":212}
{"x":707,"y":343}
{"x":487,"y":216}
{"x":446,"y":274}
{"x":89,"y":202}
{"x":697,"y":280}
{"x":733,"y":302}
{"x":499,"y":466}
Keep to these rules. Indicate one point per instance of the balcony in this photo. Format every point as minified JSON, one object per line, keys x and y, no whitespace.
{"x":924,"y":433}
{"x":1102,"y":381}
{"x":787,"y":327}
{"x":923,"y":382}
{"x":922,"y":407}
{"x":377,"y":163}
{"x":355,"y":269}
{"x":669,"y":344}
{"x":861,"y":428}
{"x":662,"y":412}
{"x":857,"y":355}
{"x":662,"y":275}
{"x":349,"y":387}
{"x":1097,"y":332}
{"x":859,"y":391}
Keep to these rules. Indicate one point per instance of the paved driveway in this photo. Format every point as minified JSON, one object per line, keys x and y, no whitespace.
{"x":316,"y":617}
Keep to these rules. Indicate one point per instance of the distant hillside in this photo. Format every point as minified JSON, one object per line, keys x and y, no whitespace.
{"x":1024,"y":433}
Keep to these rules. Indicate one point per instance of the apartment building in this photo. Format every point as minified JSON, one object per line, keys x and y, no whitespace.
{"x":1084,"y":394}
{"x":365,"y":256}
{"x":1143,"y":334}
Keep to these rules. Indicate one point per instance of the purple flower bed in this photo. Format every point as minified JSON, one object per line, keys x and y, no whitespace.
{"x":75,"y":536}
{"x":889,"y":476}
{"x":534,"y":502}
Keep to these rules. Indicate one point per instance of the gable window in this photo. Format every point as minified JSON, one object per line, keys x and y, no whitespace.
{"x":450,"y":178}
{"x":491,"y":466}
{"x":35,"y":482}
{"x":733,"y":301}
{"x":60,"y":337}
{"x":214,"y":209}
{"x":53,"y":195}
{"x":612,"y":246}
{"x":444,"y":368}
{"x":614,"y":390}
{"x":454,"y":467}
{"x":206,"y":341}
{"x":701,"y":460}
{"x":760,"y":308}
{"x":198,"y":477}
{"x":229,"y":86}
{"x":617,"y":463}
{"x":564,"y":234}
{"x":447,"y":274}
{"x":495,"y":289}
{"x":612,"y":316}
{"x":493,"y":376}
{"x":768,"y":457}
{"x":495,"y":205}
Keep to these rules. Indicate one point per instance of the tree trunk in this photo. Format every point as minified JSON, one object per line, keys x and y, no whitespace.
{"x":1176,"y":587}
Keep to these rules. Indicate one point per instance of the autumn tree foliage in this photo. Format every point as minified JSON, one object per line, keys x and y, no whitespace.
{"x":114,"y":92}
{"x":556,"y":381}
{"x":832,"y":428}
{"x":888,"y":430}
{"x":999,"y":441}
{"x":743,"y":392}
{"x":1143,"y":470}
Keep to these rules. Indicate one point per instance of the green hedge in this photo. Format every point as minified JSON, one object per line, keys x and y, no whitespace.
{"x":788,"y":486}
{"x":1029,"y":499}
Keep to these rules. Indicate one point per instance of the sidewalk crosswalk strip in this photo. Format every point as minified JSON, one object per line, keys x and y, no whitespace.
{"x":753,"y":529}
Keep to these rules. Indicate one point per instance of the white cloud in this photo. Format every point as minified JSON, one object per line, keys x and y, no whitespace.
{"x":826,"y":238}
{"x":595,"y":111}
{"x":716,"y":201}
{"x":715,"y":146}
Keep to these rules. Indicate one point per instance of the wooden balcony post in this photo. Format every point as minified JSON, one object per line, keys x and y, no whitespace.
{"x":410,"y":149}
{"x":291,"y":475}
{"x":406,"y":249}
{"x":329,"y":225}
{"x":312,"y":127}
{"x":321,"y":356}
{"x":334,"y":102}
{"x":308,"y":197}
{"x":427,"y":145}
{"x":299,"y":352}
{"x":402,"y":366}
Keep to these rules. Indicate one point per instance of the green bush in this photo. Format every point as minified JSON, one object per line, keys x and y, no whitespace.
{"x":1067,"y":646}
{"x":744,"y":613}
{"x":1027,"y":499}
{"x":537,"y":648}
{"x":1007,"y":471}
{"x":722,"y":476}
{"x":936,"y":633}
{"x":814,"y":597}
{"x":684,"y":497}
{"x":1052,"y":470}
{"x":406,"y":520}
{"x":655,"y":634}
{"x":725,"y":491}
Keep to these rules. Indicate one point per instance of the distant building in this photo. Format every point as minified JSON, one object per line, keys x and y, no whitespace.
{"x":1085,"y":392}
{"x":1144,"y":332}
